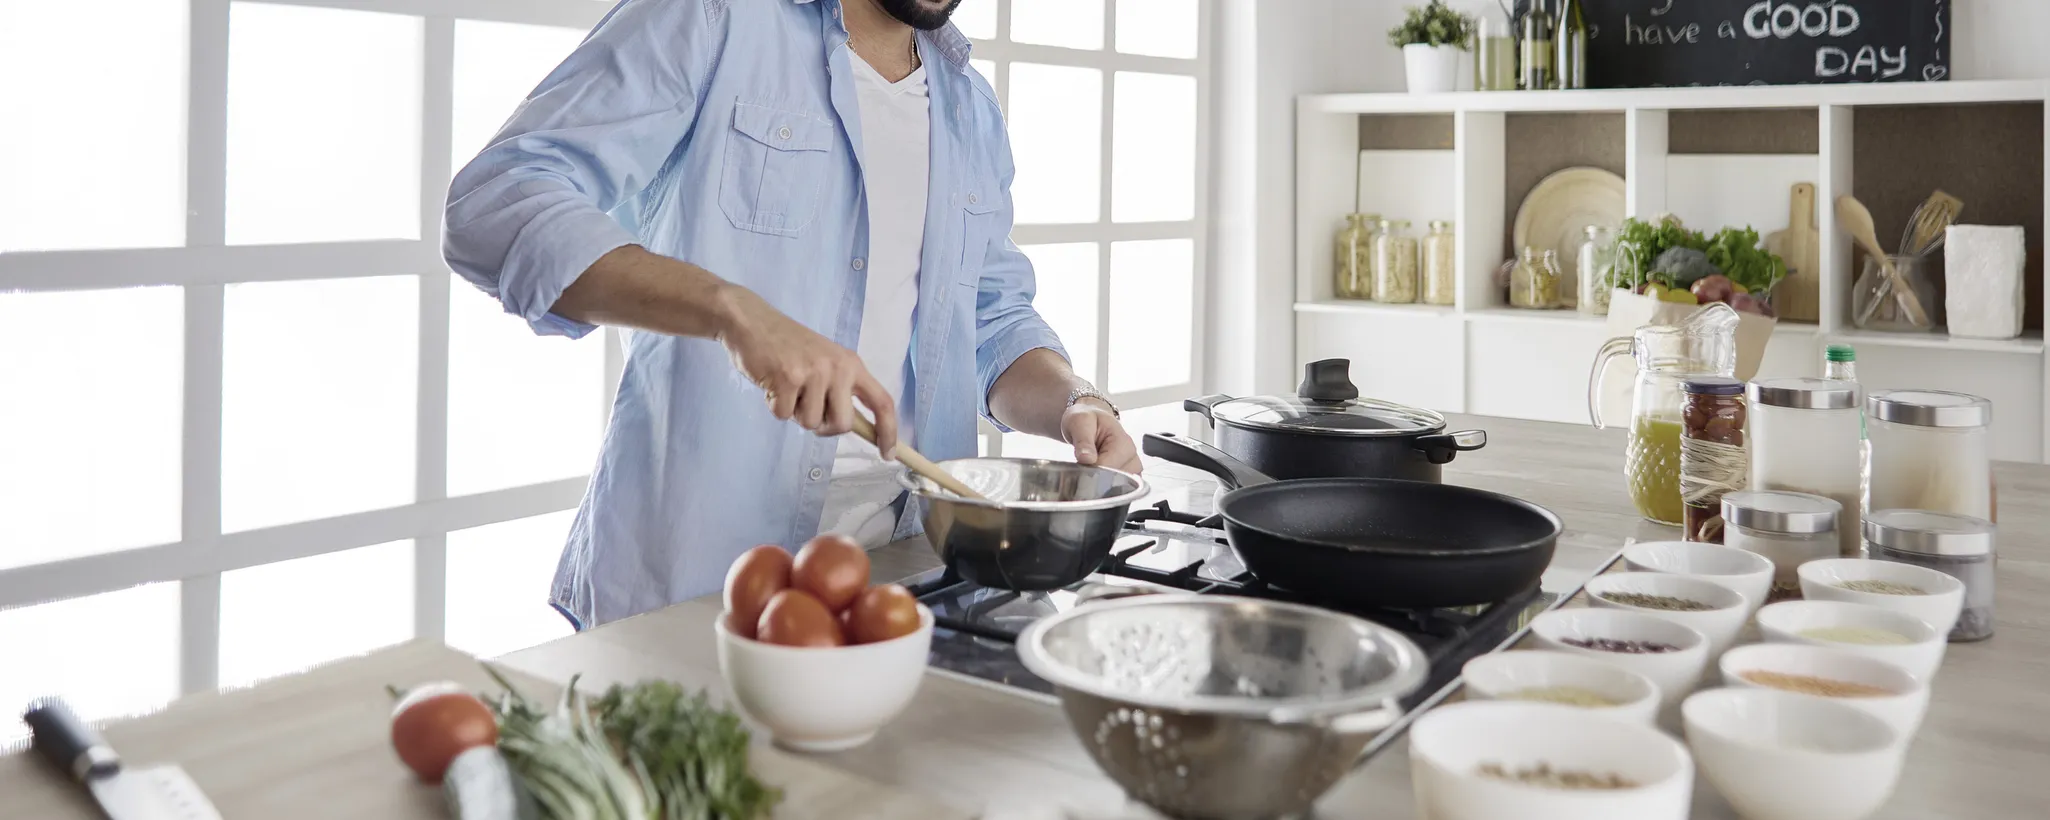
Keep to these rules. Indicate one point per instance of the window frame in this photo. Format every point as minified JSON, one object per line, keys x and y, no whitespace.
{"x":205,"y":265}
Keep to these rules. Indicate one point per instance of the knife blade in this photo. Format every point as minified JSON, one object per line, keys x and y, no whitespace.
{"x":161,"y":792}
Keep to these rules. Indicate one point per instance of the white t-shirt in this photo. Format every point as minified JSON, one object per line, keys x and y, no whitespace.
{"x":896,"y":155}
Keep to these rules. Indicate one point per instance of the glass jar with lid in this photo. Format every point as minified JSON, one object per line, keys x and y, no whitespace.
{"x":1804,"y":439}
{"x":1958,"y":545}
{"x":1395,"y":262}
{"x":1930,"y":452}
{"x":1712,"y":457}
{"x":1790,"y":529}
{"x":1441,"y":260}
{"x":1594,"y":270}
{"x":1534,"y":282}
{"x":1352,"y":257}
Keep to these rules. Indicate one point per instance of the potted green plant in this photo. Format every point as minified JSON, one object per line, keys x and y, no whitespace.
{"x":1431,"y":38}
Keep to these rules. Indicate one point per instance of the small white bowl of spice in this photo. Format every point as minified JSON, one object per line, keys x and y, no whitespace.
{"x":1487,"y":760}
{"x":1883,"y":634}
{"x":1781,"y":756}
{"x":1714,"y":610}
{"x":1925,"y":593}
{"x":1876,"y":687}
{"x":1671,"y":656}
{"x":1544,"y":676}
{"x":1743,"y":571}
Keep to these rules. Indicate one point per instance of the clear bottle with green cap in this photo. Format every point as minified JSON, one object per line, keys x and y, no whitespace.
{"x":1840,"y":362}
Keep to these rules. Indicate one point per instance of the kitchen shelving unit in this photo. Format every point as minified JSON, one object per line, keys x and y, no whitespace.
{"x":1714,"y":156}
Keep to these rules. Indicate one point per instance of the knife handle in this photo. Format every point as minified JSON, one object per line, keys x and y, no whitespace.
{"x":69,"y":741}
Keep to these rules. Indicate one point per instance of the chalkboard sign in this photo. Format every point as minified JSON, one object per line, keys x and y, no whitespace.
{"x":1644,"y":43}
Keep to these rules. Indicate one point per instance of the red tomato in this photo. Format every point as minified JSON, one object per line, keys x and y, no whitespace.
{"x":795,"y":618}
{"x":755,"y":576}
{"x":882,"y":613}
{"x":434,"y":723}
{"x":832,"y":567}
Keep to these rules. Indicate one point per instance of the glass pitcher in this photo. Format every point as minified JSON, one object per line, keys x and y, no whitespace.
{"x":1705,"y":344}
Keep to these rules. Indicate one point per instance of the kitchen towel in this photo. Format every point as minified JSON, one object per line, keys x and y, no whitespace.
{"x":1982,"y":267}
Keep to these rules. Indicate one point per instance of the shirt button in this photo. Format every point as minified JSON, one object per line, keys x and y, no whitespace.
{"x":817,"y":473}
{"x":783,"y":133}
{"x":972,"y":199}
{"x":860,"y":263}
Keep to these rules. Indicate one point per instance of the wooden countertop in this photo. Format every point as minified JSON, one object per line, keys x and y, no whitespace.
{"x":1982,"y":751}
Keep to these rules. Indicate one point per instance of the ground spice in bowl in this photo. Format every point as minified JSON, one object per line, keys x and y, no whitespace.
{"x":1864,"y":635}
{"x":1544,"y":775}
{"x":1667,"y":603}
{"x":1813,"y":685}
{"x":1882,"y":587}
{"x":1621,"y":647}
{"x":1569,"y":695}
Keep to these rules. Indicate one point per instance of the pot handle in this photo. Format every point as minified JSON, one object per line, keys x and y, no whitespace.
{"x":1441,"y":447}
{"x":1189,"y":452}
{"x":1206,"y":404}
{"x":1328,"y":380}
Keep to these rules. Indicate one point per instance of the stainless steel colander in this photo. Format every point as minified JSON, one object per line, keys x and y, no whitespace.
{"x":1222,"y":708}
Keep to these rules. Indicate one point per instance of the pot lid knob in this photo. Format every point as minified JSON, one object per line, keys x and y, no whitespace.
{"x":1328,"y":380}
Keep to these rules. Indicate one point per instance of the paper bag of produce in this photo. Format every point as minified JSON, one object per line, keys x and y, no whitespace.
{"x":1630,"y":311}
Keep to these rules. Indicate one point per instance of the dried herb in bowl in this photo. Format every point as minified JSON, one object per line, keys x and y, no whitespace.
{"x":1668,"y":603}
{"x":1544,"y":775}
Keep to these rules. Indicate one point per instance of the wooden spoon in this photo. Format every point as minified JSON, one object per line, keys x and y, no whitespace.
{"x":1857,"y":221}
{"x":918,"y":463}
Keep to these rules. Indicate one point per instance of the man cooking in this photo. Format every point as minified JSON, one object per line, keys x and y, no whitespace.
{"x":803,"y":201}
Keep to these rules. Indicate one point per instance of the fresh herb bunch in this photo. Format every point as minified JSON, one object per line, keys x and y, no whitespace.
{"x":1432,"y":25}
{"x":1733,"y":251}
{"x":643,"y":752}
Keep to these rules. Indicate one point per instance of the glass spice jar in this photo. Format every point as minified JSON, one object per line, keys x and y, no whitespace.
{"x":1713,"y":461}
{"x":1958,"y":545}
{"x":1789,"y":529}
{"x":1351,"y":257}
{"x":1534,"y":282}
{"x":1395,"y":263}
{"x":1441,"y":259}
{"x":1804,"y":439}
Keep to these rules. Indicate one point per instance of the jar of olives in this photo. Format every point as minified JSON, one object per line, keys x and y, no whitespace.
{"x":1712,"y":457}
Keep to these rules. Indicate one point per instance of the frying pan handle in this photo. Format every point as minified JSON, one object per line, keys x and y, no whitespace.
{"x":1206,"y":405}
{"x":1189,"y":452}
{"x":1440,"y":448}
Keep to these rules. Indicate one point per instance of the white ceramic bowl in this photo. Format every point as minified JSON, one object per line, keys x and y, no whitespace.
{"x":1901,"y":710}
{"x":1720,"y":624}
{"x":1747,"y":573}
{"x":824,"y":699}
{"x":1449,"y":745}
{"x":1675,"y":673}
{"x":1500,"y":675}
{"x":1821,"y":580}
{"x":1781,"y":756}
{"x":1784,"y":622}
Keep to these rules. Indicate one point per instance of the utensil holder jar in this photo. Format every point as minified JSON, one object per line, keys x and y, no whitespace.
{"x":1876,"y":306}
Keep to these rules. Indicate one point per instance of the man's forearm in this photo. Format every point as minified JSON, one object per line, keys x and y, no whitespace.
{"x":632,"y":287}
{"x":1032,"y":394}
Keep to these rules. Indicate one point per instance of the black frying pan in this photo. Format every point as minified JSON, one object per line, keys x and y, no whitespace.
{"x":1374,"y":541}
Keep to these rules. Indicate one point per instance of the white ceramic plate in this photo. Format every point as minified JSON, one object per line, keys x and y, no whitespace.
{"x":1556,"y":214}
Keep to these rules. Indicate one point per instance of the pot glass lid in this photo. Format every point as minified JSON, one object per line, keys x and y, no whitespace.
{"x":1350,"y":417}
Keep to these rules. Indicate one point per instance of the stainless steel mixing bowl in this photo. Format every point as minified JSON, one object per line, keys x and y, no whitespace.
{"x":1222,"y":708}
{"x":1047,"y":523}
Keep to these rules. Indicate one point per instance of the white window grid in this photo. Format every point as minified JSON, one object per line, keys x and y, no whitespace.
{"x":205,"y":265}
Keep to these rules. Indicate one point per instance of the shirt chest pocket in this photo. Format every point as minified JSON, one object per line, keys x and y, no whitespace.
{"x":774,"y":168}
{"x":980,"y":226}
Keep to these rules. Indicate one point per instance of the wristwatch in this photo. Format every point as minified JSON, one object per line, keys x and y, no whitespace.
{"x":1087,"y":392}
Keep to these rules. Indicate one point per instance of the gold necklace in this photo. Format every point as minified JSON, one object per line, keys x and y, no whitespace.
{"x":915,"y":62}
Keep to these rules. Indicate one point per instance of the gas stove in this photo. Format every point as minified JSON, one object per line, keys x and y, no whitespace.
{"x":976,"y":628}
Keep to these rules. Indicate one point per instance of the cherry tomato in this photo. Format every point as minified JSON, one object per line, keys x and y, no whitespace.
{"x":435,"y":722}
{"x":795,"y":618}
{"x":882,"y":613}
{"x":833,"y":568}
{"x":755,"y":576}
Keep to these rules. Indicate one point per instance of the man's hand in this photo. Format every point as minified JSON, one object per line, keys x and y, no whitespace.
{"x":1099,"y":439}
{"x":808,"y":378}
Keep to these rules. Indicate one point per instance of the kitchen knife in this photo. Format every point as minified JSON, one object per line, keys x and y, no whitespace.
{"x":153,"y":793}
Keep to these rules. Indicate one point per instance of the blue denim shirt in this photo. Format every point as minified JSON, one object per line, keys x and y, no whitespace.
{"x":725,"y":133}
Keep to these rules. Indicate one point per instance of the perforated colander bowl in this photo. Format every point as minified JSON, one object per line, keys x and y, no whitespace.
{"x":1222,"y":708}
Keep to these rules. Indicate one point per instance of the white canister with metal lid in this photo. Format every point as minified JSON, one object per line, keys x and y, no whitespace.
{"x":1805,"y":438}
{"x":1930,"y":451}
{"x":1789,"y":529}
{"x":1958,"y":545}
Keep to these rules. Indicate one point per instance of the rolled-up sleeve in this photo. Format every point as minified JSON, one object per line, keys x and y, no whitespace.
{"x":531,"y":213}
{"x":1006,"y":325}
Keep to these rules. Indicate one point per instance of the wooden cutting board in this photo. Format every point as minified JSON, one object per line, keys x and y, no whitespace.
{"x":317,"y":745}
{"x":1799,"y":296}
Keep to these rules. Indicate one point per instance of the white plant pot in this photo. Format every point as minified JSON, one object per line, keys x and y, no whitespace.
{"x":1431,"y":69}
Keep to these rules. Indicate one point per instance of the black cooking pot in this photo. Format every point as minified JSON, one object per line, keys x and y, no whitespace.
{"x":1327,"y":431}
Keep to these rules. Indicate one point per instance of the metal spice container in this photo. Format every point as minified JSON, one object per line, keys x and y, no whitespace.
{"x":1712,"y":456}
{"x":1958,"y":545}
{"x":1790,"y":529}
